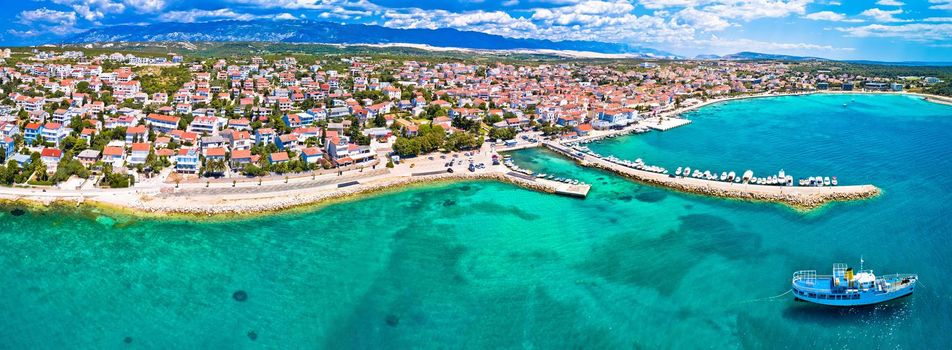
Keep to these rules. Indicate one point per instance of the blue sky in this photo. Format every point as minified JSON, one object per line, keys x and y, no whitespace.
{"x":889,"y":30}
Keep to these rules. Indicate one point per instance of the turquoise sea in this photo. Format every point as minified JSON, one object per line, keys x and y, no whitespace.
{"x":490,"y":265}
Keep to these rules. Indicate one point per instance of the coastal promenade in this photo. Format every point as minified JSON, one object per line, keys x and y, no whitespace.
{"x":159,"y":196}
{"x":796,"y":196}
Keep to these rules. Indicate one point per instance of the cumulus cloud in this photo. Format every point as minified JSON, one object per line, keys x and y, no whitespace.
{"x":194,"y":15}
{"x":146,"y":5}
{"x":826,"y":16}
{"x":705,"y":21}
{"x":46,"y":21}
{"x":882,"y":15}
{"x":890,"y":3}
{"x":941,"y":4}
{"x":913,"y":31}
{"x":48,"y":16}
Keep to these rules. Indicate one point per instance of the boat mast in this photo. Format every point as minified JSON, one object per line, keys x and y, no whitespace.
{"x":861,"y":263}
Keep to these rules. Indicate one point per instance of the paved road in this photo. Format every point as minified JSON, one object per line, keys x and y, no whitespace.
{"x":274,"y":187}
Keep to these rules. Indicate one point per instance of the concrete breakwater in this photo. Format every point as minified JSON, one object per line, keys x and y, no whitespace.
{"x":795,"y":196}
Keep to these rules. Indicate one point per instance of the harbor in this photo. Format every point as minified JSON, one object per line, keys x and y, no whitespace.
{"x":746,"y":186}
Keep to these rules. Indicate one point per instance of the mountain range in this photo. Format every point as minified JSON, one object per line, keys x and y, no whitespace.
{"x":336,"y":33}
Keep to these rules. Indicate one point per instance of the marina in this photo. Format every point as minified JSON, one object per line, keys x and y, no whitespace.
{"x":746,"y":186}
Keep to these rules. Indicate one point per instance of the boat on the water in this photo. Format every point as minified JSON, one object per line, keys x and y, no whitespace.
{"x":846,"y":288}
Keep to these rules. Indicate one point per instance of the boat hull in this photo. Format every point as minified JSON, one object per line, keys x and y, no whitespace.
{"x":856,"y":299}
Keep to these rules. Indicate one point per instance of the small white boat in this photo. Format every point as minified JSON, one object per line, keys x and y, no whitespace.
{"x":677,"y":172}
{"x":723,"y":176}
{"x":826,"y":181}
{"x":749,"y":174}
{"x":834,"y":182}
{"x":781,"y":174}
{"x":731,"y":176}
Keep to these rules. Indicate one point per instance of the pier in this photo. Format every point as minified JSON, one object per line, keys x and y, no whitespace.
{"x":665,"y":124}
{"x":796,"y":196}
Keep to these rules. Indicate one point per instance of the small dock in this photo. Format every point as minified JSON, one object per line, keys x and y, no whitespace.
{"x":665,"y":123}
{"x":560,"y":188}
{"x":580,"y":191}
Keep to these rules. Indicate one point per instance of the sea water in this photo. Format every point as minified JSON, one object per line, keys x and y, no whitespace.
{"x":489,"y":265}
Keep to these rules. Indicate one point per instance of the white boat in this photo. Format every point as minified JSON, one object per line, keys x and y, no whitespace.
{"x":834,"y":182}
{"x":723,"y":176}
{"x":826,"y":181}
{"x":677,"y":172}
{"x":781,"y":174}
{"x":789,"y":180}
{"x":687,"y":171}
{"x":748,"y":175}
{"x":731,"y":176}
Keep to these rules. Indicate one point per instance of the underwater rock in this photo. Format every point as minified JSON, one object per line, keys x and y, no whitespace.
{"x":252,"y":335}
{"x":240,"y":295}
{"x":392,"y":320}
{"x":17,"y":212}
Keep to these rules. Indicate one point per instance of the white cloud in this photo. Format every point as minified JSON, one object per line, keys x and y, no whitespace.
{"x":701,"y":20}
{"x":911,"y":31}
{"x":882,"y":15}
{"x":327,"y":5}
{"x":937,"y":19}
{"x":146,"y":5}
{"x":286,"y":16}
{"x":48,"y":21}
{"x":194,"y":15}
{"x":47,"y":16}
{"x":941,"y":4}
{"x":890,"y":3}
{"x":826,"y":16}
{"x":722,"y":46}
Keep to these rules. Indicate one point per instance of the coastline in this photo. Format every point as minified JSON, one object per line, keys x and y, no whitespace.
{"x":155,"y":200}
{"x":223,"y":201}
{"x":268,"y":204}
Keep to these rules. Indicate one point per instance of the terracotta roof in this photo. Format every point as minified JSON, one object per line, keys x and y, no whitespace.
{"x":279,"y":156}
{"x":51,"y":152}
{"x":140,"y":147}
{"x":112,"y":151}
{"x":240,"y":154}
{"x":215,"y":152}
